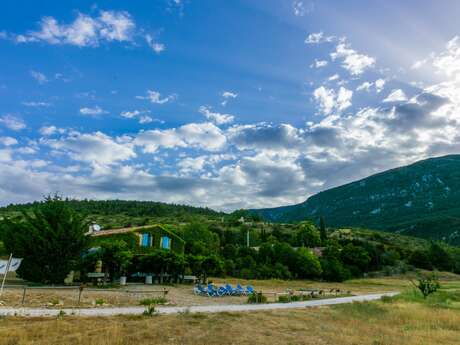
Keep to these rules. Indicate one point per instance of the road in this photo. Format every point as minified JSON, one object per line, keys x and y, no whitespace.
{"x":43,"y":312}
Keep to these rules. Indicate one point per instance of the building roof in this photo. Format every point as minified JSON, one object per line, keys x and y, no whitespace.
{"x":133,"y":229}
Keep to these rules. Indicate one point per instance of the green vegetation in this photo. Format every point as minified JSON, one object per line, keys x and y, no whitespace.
{"x":427,"y":285}
{"x":217,"y":246}
{"x":257,"y":297}
{"x":50,"y":238}
{"x":421,"y":199}
{"x":123,"y":213}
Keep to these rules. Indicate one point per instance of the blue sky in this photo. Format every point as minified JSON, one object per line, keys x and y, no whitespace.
{"x":221,"y":104}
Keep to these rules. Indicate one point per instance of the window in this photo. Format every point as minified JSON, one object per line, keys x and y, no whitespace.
{"x":145,"y":240}
{"x":165,"y":242}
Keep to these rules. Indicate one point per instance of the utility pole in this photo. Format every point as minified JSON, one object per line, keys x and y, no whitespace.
{"x":247,"y":237}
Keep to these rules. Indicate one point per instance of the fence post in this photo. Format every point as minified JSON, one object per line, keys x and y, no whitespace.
{"x":23,"y":294}
{"x":80,"y":291}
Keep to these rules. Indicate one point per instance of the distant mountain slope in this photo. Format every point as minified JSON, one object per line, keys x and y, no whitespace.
{"x":421,"y":199}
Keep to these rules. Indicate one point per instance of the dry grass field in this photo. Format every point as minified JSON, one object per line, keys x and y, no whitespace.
{"x":377,"y":323}
{"x":402,"y":320}
{"x":182,"y":295}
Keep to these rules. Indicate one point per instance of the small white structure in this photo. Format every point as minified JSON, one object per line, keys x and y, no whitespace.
{"x":93,"y":228}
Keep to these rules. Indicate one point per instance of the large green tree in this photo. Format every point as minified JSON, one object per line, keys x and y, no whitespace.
{"x":50,"y":238}
{"x":308,"y":235}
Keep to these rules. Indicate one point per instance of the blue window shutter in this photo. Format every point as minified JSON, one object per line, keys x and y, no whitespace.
{"x":145,"y":240}
{"x":165,"y":242}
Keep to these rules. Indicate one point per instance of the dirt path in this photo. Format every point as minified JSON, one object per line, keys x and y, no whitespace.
{"x":39,"y":312}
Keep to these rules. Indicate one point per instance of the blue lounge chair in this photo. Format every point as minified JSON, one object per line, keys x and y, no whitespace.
{"x":240,"y":290}
{"x":222,"y":291}
{"x":212,"y":291}
{"x":200,"y":290}
{"x":249,"y":290}
{"x":230,"y":290}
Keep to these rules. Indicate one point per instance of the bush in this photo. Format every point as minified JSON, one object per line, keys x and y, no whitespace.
{"x":257,"y":297}
{"x":427,"y":285}
{"x":100,"y":301}
{"x":283,"y":299}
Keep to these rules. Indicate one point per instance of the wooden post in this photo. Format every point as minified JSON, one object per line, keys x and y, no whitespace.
{"x":6,"y":272}
{"x":80,"y":291}
{"x":23,"y":294}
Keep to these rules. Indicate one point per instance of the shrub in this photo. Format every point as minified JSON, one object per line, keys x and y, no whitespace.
{"x":427,"y":285}
{"x":149,"y":311}
{"x":99,"y":301}
{"x":257,"y":297}
{"x":283,"y":299}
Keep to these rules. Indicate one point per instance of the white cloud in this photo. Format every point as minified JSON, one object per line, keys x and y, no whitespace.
{"x":378,"y":85}
{"x":94,"y":111}
{"x":215,"y":117}
{"x":302,"y":8}
{"x":36,"y":104}
{"x":198,"y":135}
{"x":329,"y":100}
{"x":141,"y":115}
{"x":366,"y":86}
{"x":84,"y":31}
{"x":318,"y":37}
{"x":344,"y":98}
{"x":93,"y":147}
{"x":5,"y":155}
{"x":397,"y":95}
{"x":116,"y":26}
{"x":145,"y":119}
{"x":8,"y":141}
{"x":12,"y":122}
{"x":326,"y":99}
{"x":333,"y":77}
{"x":131,"y":114}
{"x":155,"y":97}
{"x":228,"y":95}
{"x":39,"y":77}
{"x":352,"y":61}
{"x":319,"y":63}
{"x":155,"y":46}
{"x":51,"y":130}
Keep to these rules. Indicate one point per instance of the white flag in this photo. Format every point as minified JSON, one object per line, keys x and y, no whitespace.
{"x":14,"y":265}
{"x":3,"y":264}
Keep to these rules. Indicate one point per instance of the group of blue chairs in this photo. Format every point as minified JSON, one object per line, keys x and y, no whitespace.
{"x":225,"y":290}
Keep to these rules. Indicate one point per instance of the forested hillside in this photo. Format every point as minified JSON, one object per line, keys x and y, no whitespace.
{"x":119,"y":213}
{"x":422,"y":199}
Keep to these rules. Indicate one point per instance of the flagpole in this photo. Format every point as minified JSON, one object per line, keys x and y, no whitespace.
{"x":6,"y":272}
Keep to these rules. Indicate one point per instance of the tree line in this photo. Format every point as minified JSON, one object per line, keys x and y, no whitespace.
{"x":51,"y":240}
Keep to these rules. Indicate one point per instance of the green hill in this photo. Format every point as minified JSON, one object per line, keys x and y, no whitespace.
{"x":119,"y":213}
{"x":421,"y":199}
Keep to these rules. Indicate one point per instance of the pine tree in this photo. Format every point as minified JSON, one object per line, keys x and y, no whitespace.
{"x":322,"y":230}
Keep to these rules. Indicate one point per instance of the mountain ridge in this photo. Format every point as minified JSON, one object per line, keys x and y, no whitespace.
{"x":420,"y":199}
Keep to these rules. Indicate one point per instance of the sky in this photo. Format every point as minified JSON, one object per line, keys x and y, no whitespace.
{"x":224,"y":104}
